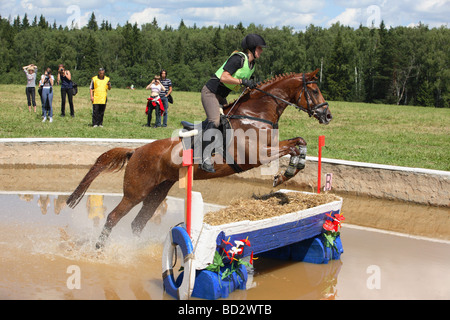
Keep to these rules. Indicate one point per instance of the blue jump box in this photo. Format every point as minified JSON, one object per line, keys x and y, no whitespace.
{"x":296,"y":236}
{"x":210,"y":286}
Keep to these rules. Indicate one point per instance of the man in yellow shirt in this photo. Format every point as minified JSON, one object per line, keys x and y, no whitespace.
{"x":100,"y":85}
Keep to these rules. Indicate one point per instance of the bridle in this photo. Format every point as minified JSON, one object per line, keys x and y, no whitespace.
{"x":304,"y":90}
{"x":307,"y":97}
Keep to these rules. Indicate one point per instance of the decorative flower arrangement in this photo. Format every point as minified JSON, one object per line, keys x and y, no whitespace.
{"x":230,"y":258}
{"x":332,"y":229}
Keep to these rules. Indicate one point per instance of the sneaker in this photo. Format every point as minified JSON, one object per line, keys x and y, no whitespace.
{"x":45,"y":118}
{"x":51,"y":119}
{"x":95,"y":126}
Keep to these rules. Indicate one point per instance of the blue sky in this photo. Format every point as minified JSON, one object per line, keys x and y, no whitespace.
{"x":297,"y":14}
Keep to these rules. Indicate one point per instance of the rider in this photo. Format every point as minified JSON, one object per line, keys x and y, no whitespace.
{"x":233,"y":74}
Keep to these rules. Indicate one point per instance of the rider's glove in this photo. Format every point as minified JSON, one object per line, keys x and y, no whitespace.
{"x":249,"y":83}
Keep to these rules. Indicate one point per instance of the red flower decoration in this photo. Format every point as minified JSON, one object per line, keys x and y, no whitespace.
{"x":246,"y":242}
{"x":226,"y":242}
{"x":336,"y":225}
{"x":329,"y":225}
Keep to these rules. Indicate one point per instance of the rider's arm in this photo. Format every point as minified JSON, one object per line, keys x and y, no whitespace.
{"x":233,"y":64}
{"x":228,"y":79}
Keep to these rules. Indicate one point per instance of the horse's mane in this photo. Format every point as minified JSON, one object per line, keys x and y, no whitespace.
{"x":262,"y":85}
{"x":275,"y":79}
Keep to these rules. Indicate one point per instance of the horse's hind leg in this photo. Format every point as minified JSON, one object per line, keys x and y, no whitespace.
{"x":121,"y":210}
{"x":150,"y":204}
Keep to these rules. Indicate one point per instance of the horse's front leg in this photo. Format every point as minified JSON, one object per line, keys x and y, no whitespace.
{"x":280,"y":149}
{"x":296,"y":147}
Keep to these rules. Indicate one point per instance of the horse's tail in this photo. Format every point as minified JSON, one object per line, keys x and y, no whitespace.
{"x":112,"y":160}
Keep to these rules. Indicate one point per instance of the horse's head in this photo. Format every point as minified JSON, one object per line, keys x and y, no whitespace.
{"x":310,"y":99}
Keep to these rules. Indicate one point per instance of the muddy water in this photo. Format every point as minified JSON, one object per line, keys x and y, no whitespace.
{"x":44,"y":245}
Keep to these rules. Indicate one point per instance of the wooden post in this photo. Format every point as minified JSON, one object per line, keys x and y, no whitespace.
{"x":321,"y":144}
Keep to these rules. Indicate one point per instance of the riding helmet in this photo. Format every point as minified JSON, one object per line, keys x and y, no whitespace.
{"x":251,"y":41}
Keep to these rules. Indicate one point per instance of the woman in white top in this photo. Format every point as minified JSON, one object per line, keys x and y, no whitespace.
{"x":30,"y":90}
{"x":156,"y":86}
{"x":154,"y":102}
{"x":47,"y":80}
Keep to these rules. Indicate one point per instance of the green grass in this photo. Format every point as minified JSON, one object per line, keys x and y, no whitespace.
{"x":386,"y":134}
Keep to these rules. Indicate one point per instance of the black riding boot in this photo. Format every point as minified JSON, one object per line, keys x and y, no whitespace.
{"x":207,"y":164}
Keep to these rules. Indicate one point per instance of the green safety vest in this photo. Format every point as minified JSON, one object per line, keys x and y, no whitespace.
{"x":243,"y":73}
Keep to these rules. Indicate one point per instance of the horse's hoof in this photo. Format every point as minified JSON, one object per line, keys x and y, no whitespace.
{"x":207,"y":167}
{"x":277,"y":180}
{"x":99,"y":245}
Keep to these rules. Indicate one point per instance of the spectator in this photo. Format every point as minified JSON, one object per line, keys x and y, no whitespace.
{"x":154,"y":102}
{"x":167,"y":83}
{"x":47,"y":81}
{"x":100,"y":85}
{"x":65,"y":78}
{"x":30,"y":90}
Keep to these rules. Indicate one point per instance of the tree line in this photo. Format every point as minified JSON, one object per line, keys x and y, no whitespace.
{"x":399,"y":65}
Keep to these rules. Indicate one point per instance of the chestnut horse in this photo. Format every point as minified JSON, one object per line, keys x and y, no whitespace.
{"x":151,"y":172}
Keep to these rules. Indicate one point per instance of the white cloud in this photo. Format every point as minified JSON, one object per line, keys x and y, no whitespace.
{"x":296,"y":14}
{"x":148,"y":14}
{"x":26,"y":4}
{"x":269,"y":13}
{"x":350,"y":17}
{"x":393,"y":13}
{"x":432,"y":5}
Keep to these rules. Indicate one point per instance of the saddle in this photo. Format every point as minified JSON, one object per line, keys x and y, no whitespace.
{"x":192,"y":138}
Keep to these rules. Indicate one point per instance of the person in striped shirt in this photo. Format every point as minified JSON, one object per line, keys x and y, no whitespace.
{"x":167,"y":83}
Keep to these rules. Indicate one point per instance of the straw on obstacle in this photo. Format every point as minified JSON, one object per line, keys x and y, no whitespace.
{"x":267,"y":206}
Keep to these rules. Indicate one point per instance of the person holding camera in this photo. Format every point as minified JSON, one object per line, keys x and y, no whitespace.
{"x":30,"y":90}
{"x":65,"y":78}
{"x":99,"y":87}
{"x":154,"y":101}
{"x":46,"y":82}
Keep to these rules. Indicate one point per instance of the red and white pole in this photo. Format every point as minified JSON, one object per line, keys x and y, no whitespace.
{"x":188,"y":162}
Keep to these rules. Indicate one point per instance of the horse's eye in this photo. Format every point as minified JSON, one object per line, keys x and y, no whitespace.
{"x":315,"y":91}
